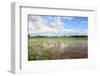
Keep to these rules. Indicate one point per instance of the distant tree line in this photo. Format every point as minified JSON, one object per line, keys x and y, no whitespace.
{"x":57,"y":36}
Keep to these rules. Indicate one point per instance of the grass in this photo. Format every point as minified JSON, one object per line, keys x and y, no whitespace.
{"x":50,"y":48}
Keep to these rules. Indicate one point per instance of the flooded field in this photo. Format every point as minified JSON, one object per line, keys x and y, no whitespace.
{"x":57,"y":48}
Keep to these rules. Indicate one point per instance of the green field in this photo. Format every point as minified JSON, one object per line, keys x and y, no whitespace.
{"x":51,"y":48}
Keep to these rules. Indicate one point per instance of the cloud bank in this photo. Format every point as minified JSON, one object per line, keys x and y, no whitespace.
{"x":52,"y":26}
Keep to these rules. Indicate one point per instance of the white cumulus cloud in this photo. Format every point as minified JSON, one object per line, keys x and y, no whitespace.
{"x":38,"y":26}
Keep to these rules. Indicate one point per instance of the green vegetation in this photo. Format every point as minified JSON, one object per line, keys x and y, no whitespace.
{"x":50,"y":48}
{"x":62,"y":37}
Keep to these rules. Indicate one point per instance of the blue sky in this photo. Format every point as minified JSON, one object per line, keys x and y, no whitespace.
{"x":57,"y":25}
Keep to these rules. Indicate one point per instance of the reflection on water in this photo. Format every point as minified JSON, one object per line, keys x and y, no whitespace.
{"x":41,"y":44}
{"x":59,"y":49}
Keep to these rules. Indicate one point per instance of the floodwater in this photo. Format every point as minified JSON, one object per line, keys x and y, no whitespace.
{"x":59,"y":49}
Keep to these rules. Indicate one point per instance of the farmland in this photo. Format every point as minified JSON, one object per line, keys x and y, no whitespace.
{"x":51,"y":48}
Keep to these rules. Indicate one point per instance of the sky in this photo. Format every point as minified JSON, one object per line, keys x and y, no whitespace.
{"x":57,"y":25}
